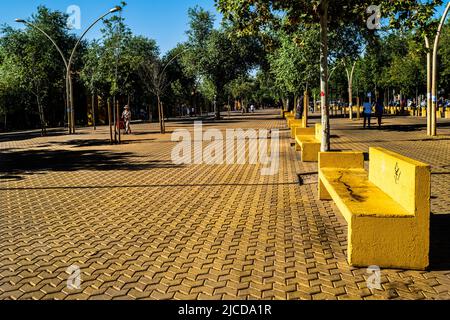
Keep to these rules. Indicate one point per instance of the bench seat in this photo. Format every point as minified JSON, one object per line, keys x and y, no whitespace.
{"x":355,"y":195}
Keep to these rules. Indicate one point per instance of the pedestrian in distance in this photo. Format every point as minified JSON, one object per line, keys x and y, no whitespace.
{"x":126,"y":116}
{"x":379,"y":110}
{"x":299,"y":109}
{"x":367,"y":113}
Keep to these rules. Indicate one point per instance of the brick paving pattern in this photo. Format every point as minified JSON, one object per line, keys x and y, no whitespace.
{"x":140,"y":227}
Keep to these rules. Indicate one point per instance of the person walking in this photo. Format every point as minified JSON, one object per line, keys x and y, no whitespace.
{"x":367,"y":113}
{"x":379,"y":110}
{"x":126,"y":116}
{"x":299,"y":109}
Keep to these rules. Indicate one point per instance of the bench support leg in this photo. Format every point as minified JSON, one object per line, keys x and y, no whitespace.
{"x":323,"y":193}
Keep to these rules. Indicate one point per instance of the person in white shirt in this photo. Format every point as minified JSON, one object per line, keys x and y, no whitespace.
{"x":126,"y":116}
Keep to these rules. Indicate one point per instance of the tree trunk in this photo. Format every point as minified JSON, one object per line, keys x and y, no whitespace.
{"x":115,"y":119}
{"x":217,"y":112}
{"x":324,"y":76}
{"x":305,"y":116}
{"x":160,"y":115}
{"x":110,"y":121}
{"x":119,"y":138}
{"x":350,"y":89}
{"x":93,"y":111}
{"x":41,"y":116}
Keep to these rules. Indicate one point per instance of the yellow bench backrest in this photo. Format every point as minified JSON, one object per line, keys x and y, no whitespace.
{"x":405,"y":180}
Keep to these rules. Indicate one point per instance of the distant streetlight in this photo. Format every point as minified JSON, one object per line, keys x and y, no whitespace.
{"x":72,"y":109}
{"x":68,"y":80}
{"x":68,"y":65}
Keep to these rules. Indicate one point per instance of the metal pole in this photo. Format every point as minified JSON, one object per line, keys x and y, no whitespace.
{"x":73,"y":54}
{"x":110,"y":120}
{"x":435,"y":73}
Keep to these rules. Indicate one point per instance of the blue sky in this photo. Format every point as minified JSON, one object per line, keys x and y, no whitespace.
{"x":165,"y":21}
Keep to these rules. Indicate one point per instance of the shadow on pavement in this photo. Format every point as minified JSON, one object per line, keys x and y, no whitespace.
{"x":95,"y":142}
{"x":21,"y":136}
{"x":440,"y":242}
{"x":39,"y":161}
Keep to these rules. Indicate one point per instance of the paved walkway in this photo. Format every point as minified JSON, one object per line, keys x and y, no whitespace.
{"x":139,"y":226}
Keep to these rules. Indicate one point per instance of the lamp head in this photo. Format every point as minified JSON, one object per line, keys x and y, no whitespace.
{"x":20,"y":21}
{"x":115,"y":9}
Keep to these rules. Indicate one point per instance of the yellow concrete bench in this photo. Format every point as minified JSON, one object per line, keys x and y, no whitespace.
{"x":285,"y":114}
{"x":294,"y":125}
{"x":387,"y":210}
{"x":289,"y":116}
{"x":291,"y":121}
{"x":308,"y":141}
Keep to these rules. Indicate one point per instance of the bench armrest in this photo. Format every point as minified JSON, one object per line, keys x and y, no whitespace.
{"x":344,"y":160}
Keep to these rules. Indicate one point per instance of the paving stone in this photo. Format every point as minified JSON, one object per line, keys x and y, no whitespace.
{"x":140,"y":227}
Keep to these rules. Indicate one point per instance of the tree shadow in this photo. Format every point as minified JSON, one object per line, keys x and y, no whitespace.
{"x":27,"y":162}
{"x":409,"y":127}
{"x":440,"y":242}
{"x":80,"y":143}
{"x":10,"y":178}
{"x":21,"y":136}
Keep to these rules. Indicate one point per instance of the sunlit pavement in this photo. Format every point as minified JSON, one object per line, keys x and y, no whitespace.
{"x":138,"y":226}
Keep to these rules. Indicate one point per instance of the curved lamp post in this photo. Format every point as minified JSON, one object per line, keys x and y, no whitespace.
{"x":69,"y":65}
{"x":434,"y":93}
{"x":68,"y":80}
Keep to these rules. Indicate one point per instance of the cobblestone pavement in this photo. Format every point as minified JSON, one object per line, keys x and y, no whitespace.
{"x":139,"y":226}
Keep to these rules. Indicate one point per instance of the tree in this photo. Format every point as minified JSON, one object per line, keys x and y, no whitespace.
{"x":294,"y":64}
{"x":251,"y":16}
{"x":32,"y":58}
{"x":216,"y":56}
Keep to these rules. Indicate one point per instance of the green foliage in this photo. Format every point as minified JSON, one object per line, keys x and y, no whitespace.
{"x":215,"y":57}
{"x":295,"y":65}
{"x":35,"y":81}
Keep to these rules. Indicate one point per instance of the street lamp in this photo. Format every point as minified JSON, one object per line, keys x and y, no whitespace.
{"x":434,"y":75}
{"x":72,"y":109}
{"x":68,"y":80}
{"x":68,"y":65}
